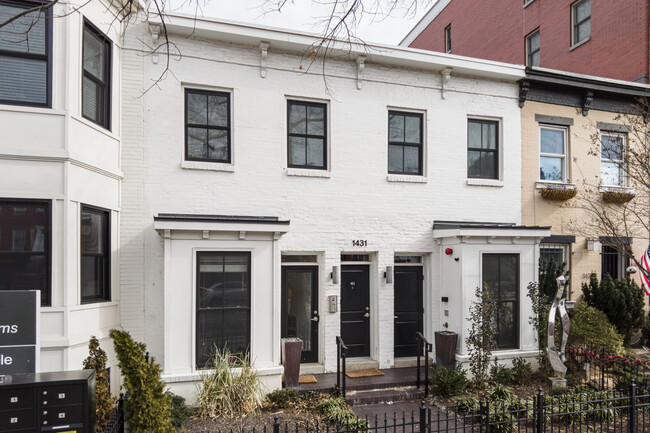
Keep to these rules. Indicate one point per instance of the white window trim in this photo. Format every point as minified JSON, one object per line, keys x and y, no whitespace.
{"x":565,"y":157}
{"x":304,"y":171}
{"x":409,"y":178}
{"x":208,"y":165}
{"x":574,"y":42}
{"x":448,"y":46}
{"x":536,"y":31}
{"x":622,"y":177}
{"x":500,"y":150}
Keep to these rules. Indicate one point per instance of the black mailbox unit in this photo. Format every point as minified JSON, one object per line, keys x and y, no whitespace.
{"x":48,"y":402}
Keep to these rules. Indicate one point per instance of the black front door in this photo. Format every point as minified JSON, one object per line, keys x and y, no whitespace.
{"x":300,"y":308}
{"x":408,"y":309}
{"x":355,"y":309}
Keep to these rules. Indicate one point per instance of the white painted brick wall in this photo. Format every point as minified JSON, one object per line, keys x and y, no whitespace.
{"x":356,"y":202}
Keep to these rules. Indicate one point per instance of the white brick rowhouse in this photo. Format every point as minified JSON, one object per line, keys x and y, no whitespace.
{"x":348,"y":218}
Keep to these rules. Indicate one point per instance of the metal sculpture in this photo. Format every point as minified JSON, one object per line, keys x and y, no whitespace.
{"x":557,"y":357}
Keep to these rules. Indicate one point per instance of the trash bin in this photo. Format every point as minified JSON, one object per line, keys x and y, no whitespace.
{"x":291,"y":354}
{"x":446,"y":348}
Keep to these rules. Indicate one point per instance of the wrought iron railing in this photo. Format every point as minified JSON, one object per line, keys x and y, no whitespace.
{"x":341,"y":353}
{"x":116,"y":423}
{"x":424,"y":347}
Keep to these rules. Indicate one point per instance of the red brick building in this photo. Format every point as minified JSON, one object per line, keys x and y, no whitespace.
{"x":607,"y":38}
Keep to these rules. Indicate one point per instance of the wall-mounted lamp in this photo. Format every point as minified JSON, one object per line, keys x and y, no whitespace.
{"x":631,"y":270}
{"x":389,"y":274}
{"x":593,"y":244}
{"x":335,"y":274}
{"x":449,"y":251}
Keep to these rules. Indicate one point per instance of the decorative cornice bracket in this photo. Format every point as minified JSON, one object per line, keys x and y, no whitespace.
{"x":361,"y":64}
{"x":264,"y":52}
{"x":524,"y":88}
{"x":586,"y":102}
{"x":446,"y":76}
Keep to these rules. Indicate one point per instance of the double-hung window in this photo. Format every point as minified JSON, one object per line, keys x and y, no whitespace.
{"x":95,"y":255}
{"x":448,"y":39}
{"x":581,"y":21}
{"x":25,"y":246}
{"x":96,"y":85}
{"x":501,"y":275}
{"x":404,"y":143}
{"x":307,"y":134}
{"x":207,"y":126}
{"x":223,"y":304}
{"x":553,"y":152}
{"x":482,"y":149}
{"x":25,"y":54}
{"x":612,"y":159}
{"x":533,"y":49}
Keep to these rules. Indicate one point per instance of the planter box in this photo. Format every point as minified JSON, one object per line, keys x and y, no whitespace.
{"x":291,"y":354}
{"x":446,"y":348}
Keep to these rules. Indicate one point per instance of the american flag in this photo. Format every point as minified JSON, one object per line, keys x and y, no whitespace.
{"x":645,"y":264}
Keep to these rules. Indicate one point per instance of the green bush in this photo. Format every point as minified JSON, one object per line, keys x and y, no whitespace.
{"x":105,"y":401}
{"x":622,"y":301}
{"x":521,"y":370}
{"x":448,"y":381}
{"x":337,"y":412}
{"x":589,"y":326}
{"x":501,"y":393}
{"x":227,"y":392}
{"x":645,"y":331}
{"x":282,"y":397}
{"x":147,"y":408}
{"x":500,"y":373}
{"x":179,"y":411}
{"x":466,"y":405}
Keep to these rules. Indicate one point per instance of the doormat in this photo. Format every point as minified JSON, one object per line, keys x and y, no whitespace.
{"x":309,"y":378}
{"x":366,"y":372}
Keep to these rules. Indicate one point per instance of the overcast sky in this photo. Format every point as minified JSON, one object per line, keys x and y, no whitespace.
{"x":303,"y":15}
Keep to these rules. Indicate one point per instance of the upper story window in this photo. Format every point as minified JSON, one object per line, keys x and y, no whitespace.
{"x":95,"y":255}
{"x":404,"y":143}
{"x":612,"y":159}
{"x":207,"y":126}
{"x":581,"y":19}
{"x":25,"y":246}
{"x":532,"y":49}
{"x":307,"y":134}
{"x":96,"y":86}
{"x":552,"y":156}
{"x":25,"y":55}
{"x":448,"y":39}
{"x":482,"y":149}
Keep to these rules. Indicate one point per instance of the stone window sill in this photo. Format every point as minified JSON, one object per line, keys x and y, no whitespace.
{"x":209,"y":166}
{"x":406,"y":178}
{"x":574,"y":46}
{"x":305,"y":172}
{"x":485,"y":182}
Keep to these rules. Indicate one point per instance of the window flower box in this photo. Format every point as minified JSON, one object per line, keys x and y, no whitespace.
{"x":617,"y":195}
{"x":557,"y":191}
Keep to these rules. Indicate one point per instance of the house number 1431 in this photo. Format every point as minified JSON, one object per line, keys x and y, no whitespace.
{"x":359,"y":243}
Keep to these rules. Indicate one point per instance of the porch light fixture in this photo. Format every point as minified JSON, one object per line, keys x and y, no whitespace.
{"x":593,"y":244}
{"x":389,"y":274}
{"x":335,"y":274}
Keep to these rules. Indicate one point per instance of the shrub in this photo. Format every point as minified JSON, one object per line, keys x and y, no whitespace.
{"x":282,"y":397}
{"x":105,"y":401}
{"x":448,"y":381}
{"x":500,"y":373}
{"x":521,"y":370}
{"x":226,"y":392}
{"x":501,"y":393}
{"x":179,"y":411}
{"x":147,"y":408}
{"x":645,"y":331}
{"x":480,"y":339}
{"x":336,"y":411}
{"x":466,"y":405}
{"x":590,"y":327}
{"x":622,"y":301}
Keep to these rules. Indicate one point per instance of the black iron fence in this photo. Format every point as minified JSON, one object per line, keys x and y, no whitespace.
{"x":599,"y":411}
{"x":601,"y":370}
{"x":116,"y":423}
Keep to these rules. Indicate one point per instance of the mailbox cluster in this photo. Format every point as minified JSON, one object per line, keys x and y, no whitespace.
{"x":48,"y":402}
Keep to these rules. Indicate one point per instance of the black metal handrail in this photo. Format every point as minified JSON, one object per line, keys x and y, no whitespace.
{"x":423,"y":346}
{"x":341,"y":352}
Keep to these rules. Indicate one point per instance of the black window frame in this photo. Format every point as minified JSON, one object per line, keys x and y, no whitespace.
{"x":197,"y":308}
{"x":105,"y":86}
{"x":306,"y":135}
{"x":448,"y":39}
{"x":529,"y":52}
{"x":105,"y":296}
{"x":47,"y":57}
{"x":496,"y":292}
{"x":612,"y":262}
{"x":207,"y":126}
{"x":403,"y":144}
{"x":575,"y":24}
{"x":46,"y":294}
{"x":495,"y":151}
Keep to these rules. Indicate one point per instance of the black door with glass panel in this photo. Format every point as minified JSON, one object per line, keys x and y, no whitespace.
{"x":408,"y":309}
{"x":300,"y":308}
{"x":223,"y":313}
{"x":501,"y":275}
{"x":355,"y":309}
